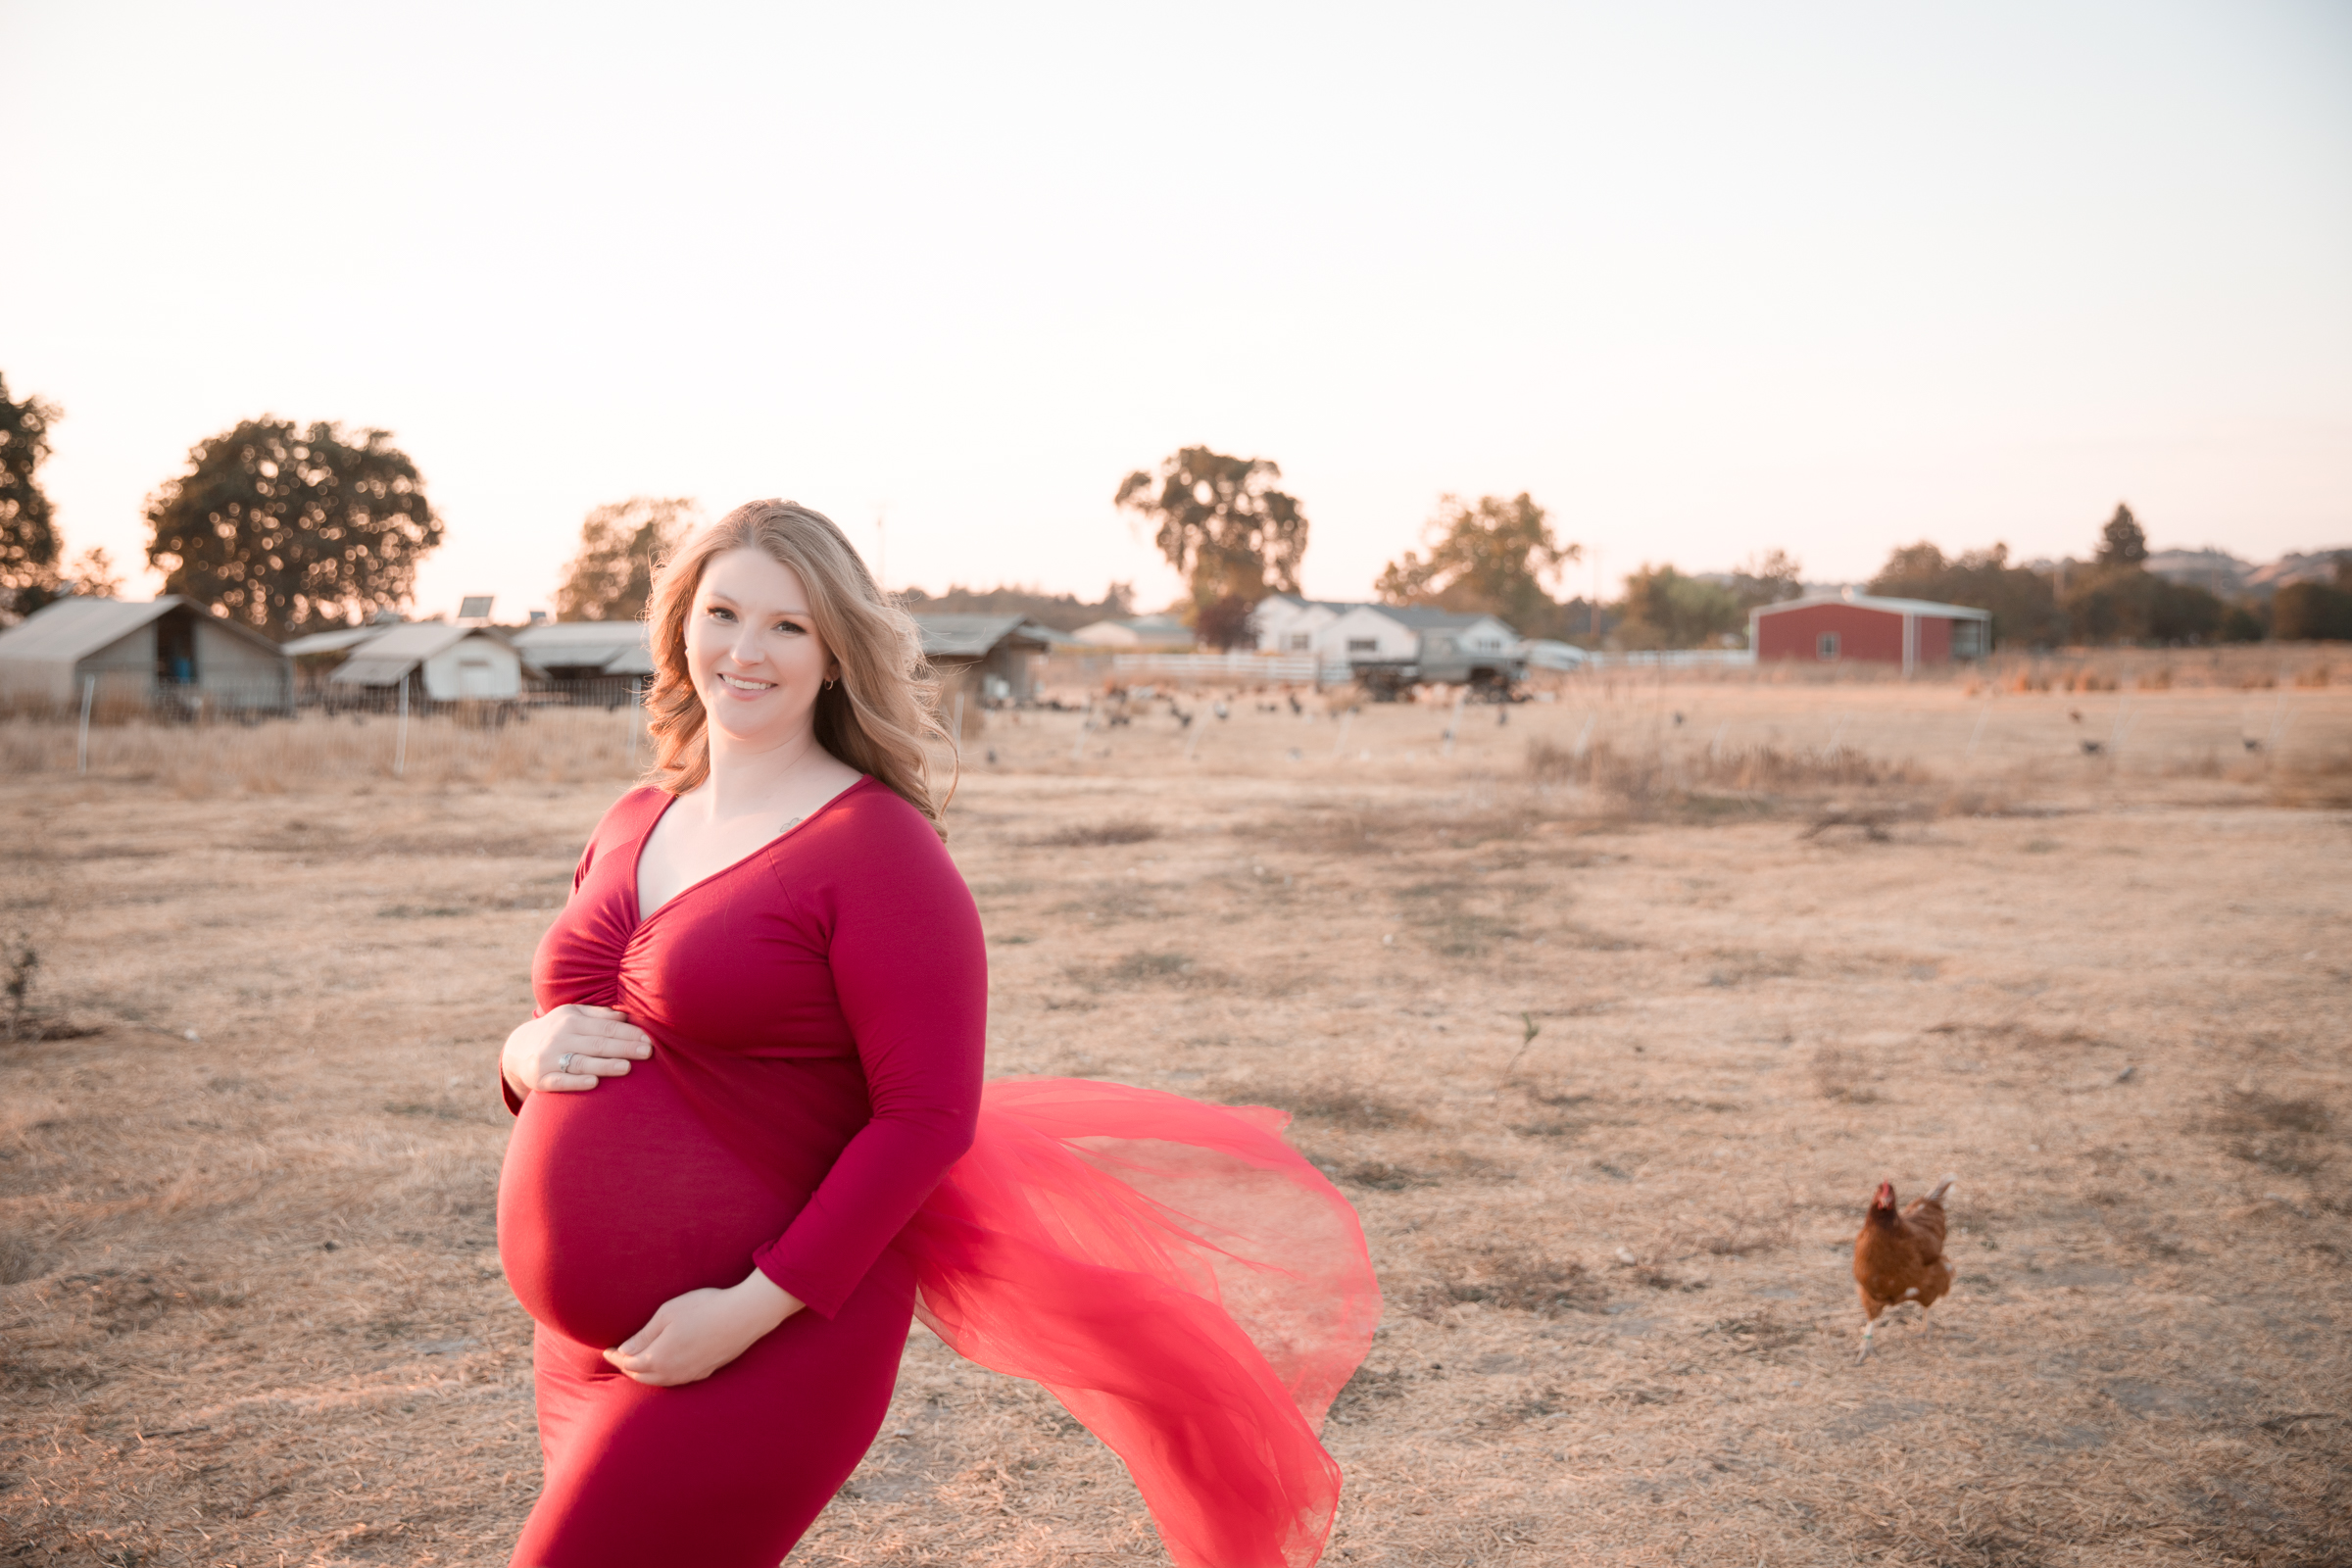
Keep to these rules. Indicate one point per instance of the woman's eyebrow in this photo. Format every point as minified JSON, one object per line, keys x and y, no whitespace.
{"x":718,"y":598}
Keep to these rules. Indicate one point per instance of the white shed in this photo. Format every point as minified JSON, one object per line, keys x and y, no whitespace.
{"x":138,"y":651}
{"x":446,"y":663}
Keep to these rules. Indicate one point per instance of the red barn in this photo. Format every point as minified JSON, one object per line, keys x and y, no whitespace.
{"x":1909,"y":632}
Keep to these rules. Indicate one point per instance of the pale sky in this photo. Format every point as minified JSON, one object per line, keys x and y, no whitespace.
{"x":1706,"y":279}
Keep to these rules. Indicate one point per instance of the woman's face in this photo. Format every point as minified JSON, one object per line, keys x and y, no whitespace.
{"x":753,"y":651}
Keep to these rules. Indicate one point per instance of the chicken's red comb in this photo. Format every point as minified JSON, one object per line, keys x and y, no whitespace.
{"x":1883,"y":1198}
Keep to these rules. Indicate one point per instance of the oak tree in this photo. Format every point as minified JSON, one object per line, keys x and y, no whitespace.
{"x":291,"y":529}
{"x":611,"y":578}
{"x":1491,"y":559}
{"x":2023,"y":603}
{"x":92,"y":575}
{"x":28,"y":541}
{"x":1667,"y":609}
{"x":1221,"y":523}
{"x":2305,"y":611}
{"x":1768,"y":579}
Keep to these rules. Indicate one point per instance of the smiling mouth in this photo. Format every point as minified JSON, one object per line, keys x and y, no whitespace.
{"x":744,"y":684}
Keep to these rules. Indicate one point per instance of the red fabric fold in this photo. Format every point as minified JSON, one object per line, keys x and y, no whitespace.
{"x":1181,"y":1279}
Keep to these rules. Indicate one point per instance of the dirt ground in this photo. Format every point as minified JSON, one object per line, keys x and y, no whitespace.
{"x":1609,"y":1063}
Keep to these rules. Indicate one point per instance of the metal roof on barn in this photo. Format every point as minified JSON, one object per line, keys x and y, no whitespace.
{"x":1337,"y":607}
{"x":72,"y":630}
{"x":400,"y":649}
{"x":611,"y":646}
{"x":966,"y":637}
{"x":1891,"y":606}
{"x":1428,"y":617}
{"x":332,"y":642}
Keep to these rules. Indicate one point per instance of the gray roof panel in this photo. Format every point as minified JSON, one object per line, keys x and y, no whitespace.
{"x":70,"y":629}
{"x":976,"y":636}
{"x":1897,"y":607}
{"x":367,"y":669}
{"x":331,"y":642}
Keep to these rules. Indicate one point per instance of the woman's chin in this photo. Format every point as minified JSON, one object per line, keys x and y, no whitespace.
{"x":752,"y":732}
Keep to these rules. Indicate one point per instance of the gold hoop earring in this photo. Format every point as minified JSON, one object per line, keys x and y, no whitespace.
{"x":829,"y":685}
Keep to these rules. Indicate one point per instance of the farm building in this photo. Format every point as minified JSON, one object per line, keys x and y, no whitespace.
{"x":168,"y":648}
{"x":316,"y":654}
{"x":1368,"y":633}
{"x":991,"y":654}
{"x":1858,"y":627}
{"x":438,"y":660}
{"x":1135,"y":634}
{"x":1286,"y":623}
{"x":616,"y":650}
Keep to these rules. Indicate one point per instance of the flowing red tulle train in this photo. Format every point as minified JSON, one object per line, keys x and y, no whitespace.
{"x":1181,"y":1279}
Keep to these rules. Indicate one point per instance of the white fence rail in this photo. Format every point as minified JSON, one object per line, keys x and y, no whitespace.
{"x":1289,"y":668}
{"x":1674,"y":659}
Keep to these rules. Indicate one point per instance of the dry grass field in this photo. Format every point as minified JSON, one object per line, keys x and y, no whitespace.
{"x":1607,"y":1012}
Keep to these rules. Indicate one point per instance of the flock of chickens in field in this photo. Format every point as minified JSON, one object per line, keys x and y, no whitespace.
{"x":1899,"y":1256}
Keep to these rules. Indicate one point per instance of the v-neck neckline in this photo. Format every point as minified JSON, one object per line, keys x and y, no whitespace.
{"x":636,"y":861}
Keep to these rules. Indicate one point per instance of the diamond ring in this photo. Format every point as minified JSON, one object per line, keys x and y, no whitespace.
{"x":563,"y":1063}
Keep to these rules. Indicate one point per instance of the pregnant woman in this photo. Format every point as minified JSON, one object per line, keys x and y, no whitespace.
{"x":752,"y":1140}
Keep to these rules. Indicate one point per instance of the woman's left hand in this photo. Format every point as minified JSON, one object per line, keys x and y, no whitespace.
{"x":693,"y":1336}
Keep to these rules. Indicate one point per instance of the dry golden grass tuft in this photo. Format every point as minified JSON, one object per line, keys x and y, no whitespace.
{"x":251,"y":1313}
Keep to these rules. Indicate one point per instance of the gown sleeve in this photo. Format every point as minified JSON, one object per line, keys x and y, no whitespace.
{"x":910,"y":970}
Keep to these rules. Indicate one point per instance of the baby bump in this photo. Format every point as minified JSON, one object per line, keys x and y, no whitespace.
{"x":613,"y":1201}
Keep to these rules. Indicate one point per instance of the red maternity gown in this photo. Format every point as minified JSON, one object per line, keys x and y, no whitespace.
{"x":1187,"y":1285}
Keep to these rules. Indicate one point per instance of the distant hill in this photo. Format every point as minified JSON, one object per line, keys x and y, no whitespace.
{"x":2318,"y":566}
{"x":2216,"y":570}
{"x":2233,"y":578}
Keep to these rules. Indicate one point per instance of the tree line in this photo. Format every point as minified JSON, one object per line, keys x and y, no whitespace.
{"x":291,"y":528}
{"x":2113,"y":598}
{"x":1220,"y":522}
{"x":288,"y":528}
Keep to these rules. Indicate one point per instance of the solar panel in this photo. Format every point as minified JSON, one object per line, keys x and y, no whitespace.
{"x":474,"y":607}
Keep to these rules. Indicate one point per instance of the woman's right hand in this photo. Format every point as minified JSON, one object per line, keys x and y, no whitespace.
{"x":570,"y":1048}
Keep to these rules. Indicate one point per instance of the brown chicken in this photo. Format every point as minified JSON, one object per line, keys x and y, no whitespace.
{"x":1899,"y":1255}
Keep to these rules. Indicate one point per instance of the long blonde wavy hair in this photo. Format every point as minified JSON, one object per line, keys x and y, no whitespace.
{"x":876,"y":718}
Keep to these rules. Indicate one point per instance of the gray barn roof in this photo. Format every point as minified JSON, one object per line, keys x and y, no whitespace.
{"x":332,"y":642}
{"x":69,"y":630}
{"x":614,"y":647}
{"x":957,"y":638}
{"x":1428,"y":617}
{"x":400,"y":649}
{"x":1893,"y":606}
